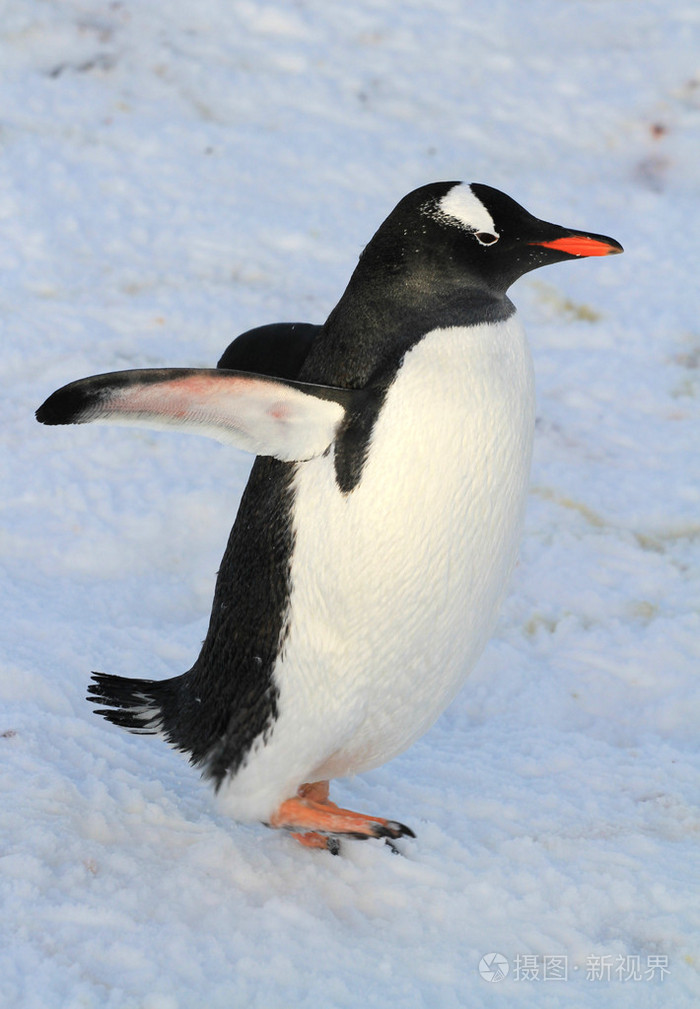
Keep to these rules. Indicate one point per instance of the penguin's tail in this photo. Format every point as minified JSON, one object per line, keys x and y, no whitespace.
{"x":140,"y":706}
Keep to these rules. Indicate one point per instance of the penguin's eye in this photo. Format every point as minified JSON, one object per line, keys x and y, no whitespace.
{"x":485,"y":237}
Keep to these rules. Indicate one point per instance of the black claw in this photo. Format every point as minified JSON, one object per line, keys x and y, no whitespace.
{"x":392,"y":828}
{"x":333,"y":845}
{"x":393,"y":848}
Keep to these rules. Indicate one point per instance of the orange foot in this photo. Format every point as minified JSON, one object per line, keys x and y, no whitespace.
{"x":316,"y":822}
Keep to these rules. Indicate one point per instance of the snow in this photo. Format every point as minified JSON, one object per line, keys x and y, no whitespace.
{"x":174,"y":174}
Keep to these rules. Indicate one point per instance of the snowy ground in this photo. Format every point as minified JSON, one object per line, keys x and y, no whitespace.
{"x":174,"y":173}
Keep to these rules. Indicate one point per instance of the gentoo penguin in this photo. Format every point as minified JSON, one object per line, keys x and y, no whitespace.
{"x":380,"y":523}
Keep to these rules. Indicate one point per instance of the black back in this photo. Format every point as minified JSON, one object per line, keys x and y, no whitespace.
{"x":278,"y":350}
{"x":229,"y":697}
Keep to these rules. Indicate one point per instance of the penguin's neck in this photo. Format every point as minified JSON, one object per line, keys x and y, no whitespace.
{"x":387,"y":307}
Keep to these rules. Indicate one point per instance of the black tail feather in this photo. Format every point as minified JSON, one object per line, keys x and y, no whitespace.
{"x":193,"y":723}
{"x":136,"y":705}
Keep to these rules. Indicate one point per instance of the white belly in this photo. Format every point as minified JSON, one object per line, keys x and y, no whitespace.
{"x":396,"y":586}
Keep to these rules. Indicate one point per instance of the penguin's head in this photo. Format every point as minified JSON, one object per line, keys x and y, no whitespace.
{"x":484,"y":233}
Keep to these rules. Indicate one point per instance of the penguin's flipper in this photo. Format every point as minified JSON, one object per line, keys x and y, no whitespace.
{"x":289,"y":420}
{"x":278,"y":350}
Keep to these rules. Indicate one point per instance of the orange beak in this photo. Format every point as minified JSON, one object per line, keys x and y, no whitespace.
{"x":583,"y":245}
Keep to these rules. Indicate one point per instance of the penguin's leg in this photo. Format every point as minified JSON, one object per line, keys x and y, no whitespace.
{"x":310,"y":815}
{"x":317,"y":791}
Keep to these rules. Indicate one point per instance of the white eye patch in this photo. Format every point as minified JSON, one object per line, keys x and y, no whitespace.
{"x":466,"y":208}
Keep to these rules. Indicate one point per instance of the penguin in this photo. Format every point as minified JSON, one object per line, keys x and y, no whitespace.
{"x":380,"y":523}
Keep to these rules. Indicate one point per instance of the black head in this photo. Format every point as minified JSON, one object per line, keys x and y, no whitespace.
{"x":480,"y":232}
{"x":445,"y":256}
